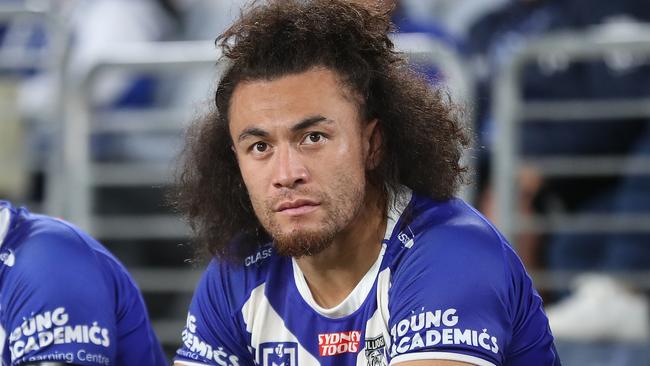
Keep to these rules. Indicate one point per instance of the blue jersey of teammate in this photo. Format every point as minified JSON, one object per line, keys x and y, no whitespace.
{"x":65,"y":298}
{"x":446,"y":286}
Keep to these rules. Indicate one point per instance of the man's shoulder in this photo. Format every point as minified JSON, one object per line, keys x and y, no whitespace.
{"x":56,"y":240}
{"x":454,"y":220}
{"x":234,"y":279}
{"x":57,"y":247}
{"x":255,"y":263}
{"x":450,"y":232}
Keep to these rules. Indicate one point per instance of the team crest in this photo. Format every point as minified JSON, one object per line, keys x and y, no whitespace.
{"x":376,"y":351}
{"x":279,"y":354}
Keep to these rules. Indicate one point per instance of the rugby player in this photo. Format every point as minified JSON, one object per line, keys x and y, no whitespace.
{"x":322,"y":189}
{"x":64,"y":299}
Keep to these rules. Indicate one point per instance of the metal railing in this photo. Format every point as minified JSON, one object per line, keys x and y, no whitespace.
{"x":83,"y":174}
{"x":458,"y":81}
{"x":52,"y":60}
{"x":512,"y":111}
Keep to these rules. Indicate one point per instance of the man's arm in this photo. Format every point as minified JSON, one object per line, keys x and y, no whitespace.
{"x":408,"y":363}
{"x":56,"y":286}
{"x":431,"y":363}
{"x":211,"y":335}
{"x":448,"y":304}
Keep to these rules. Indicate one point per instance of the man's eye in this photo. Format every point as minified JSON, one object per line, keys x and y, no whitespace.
{"x":260,"y":147}
{"x":314,"y":137}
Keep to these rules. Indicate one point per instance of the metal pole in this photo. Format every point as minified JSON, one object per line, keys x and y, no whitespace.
{"x":54,"y":64}
{"x":425,"y":49}
{"x":510,"y":108}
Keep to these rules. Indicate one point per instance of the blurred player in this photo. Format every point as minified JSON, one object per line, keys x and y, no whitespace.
{"x":64,"y":299}
{"x":323,"y":188}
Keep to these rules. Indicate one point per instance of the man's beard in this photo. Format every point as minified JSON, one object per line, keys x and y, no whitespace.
{"x":303,"y":243}
{"x":340,"y":212}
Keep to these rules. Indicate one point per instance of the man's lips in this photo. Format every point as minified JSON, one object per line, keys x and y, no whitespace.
{"x":296,"y":207}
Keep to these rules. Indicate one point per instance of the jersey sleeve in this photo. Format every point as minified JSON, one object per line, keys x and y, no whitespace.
{"x":137,"y":342}
{"x":461,"y":294}
{"x":532,"y":341}
{"x":212,"y":333}
{"x":56,"y":305}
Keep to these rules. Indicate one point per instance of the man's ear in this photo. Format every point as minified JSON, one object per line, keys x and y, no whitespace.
{"x":373,"y":141}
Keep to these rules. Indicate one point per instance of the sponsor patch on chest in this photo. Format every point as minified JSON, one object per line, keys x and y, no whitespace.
{"x":332,"y":344}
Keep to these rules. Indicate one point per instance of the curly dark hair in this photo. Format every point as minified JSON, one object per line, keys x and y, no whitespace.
{"x":422,"y":133}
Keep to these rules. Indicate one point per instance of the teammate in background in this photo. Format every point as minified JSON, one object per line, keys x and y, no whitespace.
{"x":322,"y":187}
{"x":64,"y":299}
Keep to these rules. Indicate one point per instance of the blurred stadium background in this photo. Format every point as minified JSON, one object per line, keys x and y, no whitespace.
{"x":94,"y":96}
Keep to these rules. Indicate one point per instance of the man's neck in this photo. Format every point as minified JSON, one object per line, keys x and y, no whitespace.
{"x":335,"y":272}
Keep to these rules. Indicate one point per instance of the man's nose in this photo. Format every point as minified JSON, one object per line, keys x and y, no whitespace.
{"x":289,"y":170}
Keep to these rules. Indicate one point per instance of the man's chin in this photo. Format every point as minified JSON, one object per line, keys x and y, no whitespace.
{"x":300,"y":244}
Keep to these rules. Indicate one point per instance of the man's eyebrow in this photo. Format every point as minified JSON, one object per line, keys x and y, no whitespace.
{"x":309,"y":122}
{"x":252,"y":131}
{"x":304,"y":124}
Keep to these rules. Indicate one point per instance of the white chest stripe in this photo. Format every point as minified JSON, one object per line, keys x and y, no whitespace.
{"x":265,"y":325}
{"x":5,"y":219}
{"x":377,"y":325}
{"x":3,"y":337}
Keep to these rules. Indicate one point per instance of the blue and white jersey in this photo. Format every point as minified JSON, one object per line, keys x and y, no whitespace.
{"x":65,"y":298}
{"x":446,"y":286}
